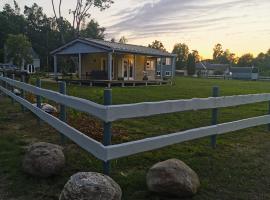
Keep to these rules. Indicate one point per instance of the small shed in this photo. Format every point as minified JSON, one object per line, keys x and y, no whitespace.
{"x":244,"y":73}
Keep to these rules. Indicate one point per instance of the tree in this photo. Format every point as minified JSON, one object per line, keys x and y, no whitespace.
{"x":246,"y":60}
{"x":79,"y":13}
{"x":123,"y":40}
{"x":157,"y":45}
{"x":93,"y":30}
{"x":218,"y":51}
{"x":18,"y":49}
{"x":196,"y":55}
{"x":191,"y":64}
{"x":11,"y":22}
{"x":181,"y":51}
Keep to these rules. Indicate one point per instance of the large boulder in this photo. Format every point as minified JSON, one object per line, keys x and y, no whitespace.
{"x":172,"y":178}
{"x":91,"y":186}
{"x":43,"y":159}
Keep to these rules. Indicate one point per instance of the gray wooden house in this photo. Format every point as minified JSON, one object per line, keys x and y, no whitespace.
{"x":103,"y":60}
{"x":244,"y":73}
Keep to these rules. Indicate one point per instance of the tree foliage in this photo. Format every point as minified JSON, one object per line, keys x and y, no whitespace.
{"x":181,"y":51}
{"x":42,"y":31}
{"x":157,"y":45}
{"x":223,"y":57}
{"x":191,"y":63}
{"x":123,"y":40}
{"x":79,"y":13}
{"x":218,"y":51}
{"x":246,"y":60}
{"x":93,"y":30}
{"x":18,"y":49}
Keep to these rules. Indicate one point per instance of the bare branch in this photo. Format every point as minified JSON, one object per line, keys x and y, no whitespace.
{"x":54,"y":10}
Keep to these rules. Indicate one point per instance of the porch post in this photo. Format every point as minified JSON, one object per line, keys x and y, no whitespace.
{"x":161,"y":67}
{"x":134,"y":69}
{"x":80,"y":66}
{"x":173,"y":66}
{"x":55,"y":66}
{"x":109,"y":66}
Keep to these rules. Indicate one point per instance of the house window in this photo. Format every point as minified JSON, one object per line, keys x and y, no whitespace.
{"x":150,"y":64}
{"x":168,"y":73}
{"x":159,"y":61}
{"x":103,"y":64}
{"x":168,"y":61}
{"x":158,"y":73}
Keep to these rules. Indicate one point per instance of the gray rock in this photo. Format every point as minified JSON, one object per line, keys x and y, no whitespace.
{"x":173,"y":178}
{"x":48,"y":108}
{"x":17,"y":92}
{"x":91,"y":186}
{"x":43,"y":159}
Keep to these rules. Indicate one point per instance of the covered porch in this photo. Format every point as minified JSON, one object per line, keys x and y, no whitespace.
{"x":114,"y":63}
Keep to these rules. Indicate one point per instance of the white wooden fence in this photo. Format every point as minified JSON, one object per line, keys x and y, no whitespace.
{"x":115,"y":112}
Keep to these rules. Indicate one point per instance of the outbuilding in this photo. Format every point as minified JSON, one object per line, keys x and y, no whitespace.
{"x":244,"y":73}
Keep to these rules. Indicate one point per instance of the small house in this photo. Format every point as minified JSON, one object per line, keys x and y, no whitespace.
{"x":206,"y":69}
{"x":244,"y":73}
{"x":104,"y":60}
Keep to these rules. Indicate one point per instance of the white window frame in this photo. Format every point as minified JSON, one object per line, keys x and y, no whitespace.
{"x":150,"y":64}
{"x":158,"y":73}
{"x":159,"y":61}
{"x":168,"y":73}
{"x":168,"y":61}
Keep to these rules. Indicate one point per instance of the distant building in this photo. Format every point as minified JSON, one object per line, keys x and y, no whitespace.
{"x":206,"y":69}
{"x":35,"y":60}
{"x":244,"y":73}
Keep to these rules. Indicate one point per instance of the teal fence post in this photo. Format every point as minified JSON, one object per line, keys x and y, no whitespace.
{"x":214,"y":120}
{"x":23,"y":92}
{"x":268,"y":114}
{"x":107,"y":129}
{"x":38,"y":98}
{"x":63,"y":113}
{"x":12,"y":89}
{"x":5,"y":83}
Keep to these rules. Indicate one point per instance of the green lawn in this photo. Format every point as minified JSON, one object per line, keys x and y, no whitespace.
{"x":237,"y":169}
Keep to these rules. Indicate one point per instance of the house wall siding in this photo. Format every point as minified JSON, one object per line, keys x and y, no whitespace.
{"x":92,"y":62}
{"x":165,"y":68}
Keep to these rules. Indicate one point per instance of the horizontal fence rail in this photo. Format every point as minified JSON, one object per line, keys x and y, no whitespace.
{"x":148,"y":144}
{"x":126,"y":111}
{"x":145,"y":109}
{"x":83,"y":105}
{"x":87,"y":143}
{"x":110,"y":113}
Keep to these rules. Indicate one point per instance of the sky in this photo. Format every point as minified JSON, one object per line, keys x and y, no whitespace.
{"x":242,"y":26}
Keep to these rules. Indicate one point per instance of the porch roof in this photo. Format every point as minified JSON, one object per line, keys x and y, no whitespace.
{"x":87,"y":45}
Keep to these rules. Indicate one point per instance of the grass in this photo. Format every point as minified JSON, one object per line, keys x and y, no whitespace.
{"x":237,"y":169}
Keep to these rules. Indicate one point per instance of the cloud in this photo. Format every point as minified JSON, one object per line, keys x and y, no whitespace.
{"x":151,"y":18}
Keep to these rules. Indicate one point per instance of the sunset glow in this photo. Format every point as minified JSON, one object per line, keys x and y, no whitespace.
{"x":239,"y":25}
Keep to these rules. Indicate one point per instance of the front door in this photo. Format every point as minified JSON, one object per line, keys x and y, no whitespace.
{"x":128,"y":69}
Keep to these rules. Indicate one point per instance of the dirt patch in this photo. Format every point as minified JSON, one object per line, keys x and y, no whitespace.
{"x":94,"y":128}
